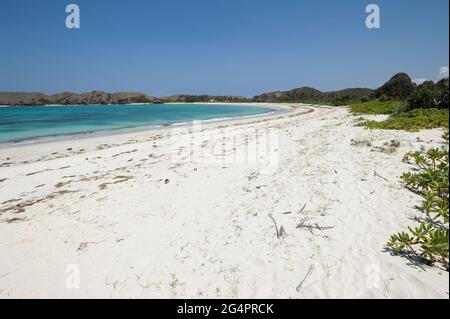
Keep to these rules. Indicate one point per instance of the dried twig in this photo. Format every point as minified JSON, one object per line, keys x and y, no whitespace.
{"x":315,"y":226}
{"x":303,"y":208}
{"x":301,"y":211}
{"x":379,"y":176}
{"x":310,"y":270}
{"x":276,"y":227}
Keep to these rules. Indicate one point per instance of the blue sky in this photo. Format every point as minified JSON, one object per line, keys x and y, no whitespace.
{"x":239,"y":47}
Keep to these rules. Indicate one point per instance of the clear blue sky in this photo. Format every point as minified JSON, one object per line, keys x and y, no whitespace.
{"x":239,"y":47}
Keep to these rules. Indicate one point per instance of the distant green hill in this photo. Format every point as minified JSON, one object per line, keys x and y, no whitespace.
{"x":308,"y":94}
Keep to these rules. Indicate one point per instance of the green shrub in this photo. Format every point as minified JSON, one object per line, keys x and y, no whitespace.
{"x":376,"y":107}
{"x":385,"y":98}
{"x":412,"y":121}
{"x":430,"y":96}
{"x":429,"y":242}
{"x":365,"y":99}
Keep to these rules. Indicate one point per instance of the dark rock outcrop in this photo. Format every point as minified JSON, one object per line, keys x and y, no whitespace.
{"x":398,"y":87}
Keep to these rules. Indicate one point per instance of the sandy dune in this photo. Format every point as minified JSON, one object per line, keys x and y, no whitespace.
{"x":142,"y":215}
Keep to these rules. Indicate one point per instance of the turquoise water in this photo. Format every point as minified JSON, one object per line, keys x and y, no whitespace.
{"x":27,"y":123}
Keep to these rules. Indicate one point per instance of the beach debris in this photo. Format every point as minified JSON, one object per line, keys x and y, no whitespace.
{"x":11,"y":201}
{"x":315,"y":226}
{"x":102,"y":146}
{"x":310,"y":271}
{"x":20,"y":207}
{"x":123,"y":153}
{"x":38,"y":172}
{"x":61,"y":184}
{"x":13,"y":220}
{"x":6,"y":164}
{"x":167,"y":181}
{"x":253,"y":175}
{"x":388,"y":148}
{"x":117,"y":180}
{"x":253,"y":212}
{"x":303,"y":208}
{"x":247,"y":190}
{"x":69,"y":149}
{"x":375,"y":174}
{"x":114,"y":284}
{"x":275,"y":222}
{"x":83,"y":246}
{"x":360,"y":143}
{"x":280,"y":232}
{"x":2,"y":180}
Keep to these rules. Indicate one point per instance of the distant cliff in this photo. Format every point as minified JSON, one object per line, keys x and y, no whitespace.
{"x":67,"y":98}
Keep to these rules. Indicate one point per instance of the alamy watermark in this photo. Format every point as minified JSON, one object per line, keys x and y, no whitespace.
{"x":72,"y":276}
{"x":373,"y":20}
{"x":253,"y":147}
{"x":73,"y":19}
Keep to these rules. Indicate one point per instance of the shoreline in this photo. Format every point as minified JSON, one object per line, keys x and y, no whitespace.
{"x":150,"y":104}
{"x":25,"y":153}
{"x":277,"y":108}
{"x":167,"y":103}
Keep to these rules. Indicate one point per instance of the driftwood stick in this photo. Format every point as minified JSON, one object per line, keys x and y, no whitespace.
{"x":303,"y":208}
{"x":310,"y":271}
{"x":276,"y":227}
{"x":379,"y":176}
{"x":315,"y":226}
{"x":300,"y":211}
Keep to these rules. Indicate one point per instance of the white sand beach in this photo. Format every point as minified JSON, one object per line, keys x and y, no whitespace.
{"x":172,"y":213}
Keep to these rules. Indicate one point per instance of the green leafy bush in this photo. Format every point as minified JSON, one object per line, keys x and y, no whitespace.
{"x":377,"y":107}
{"x":412,"y":121}
{"x":429,"y":242}
{"x":430,"y":96}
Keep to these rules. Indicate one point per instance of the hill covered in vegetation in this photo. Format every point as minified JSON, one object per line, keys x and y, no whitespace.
{"x":67,"y":98}
{"x":308,"y":94}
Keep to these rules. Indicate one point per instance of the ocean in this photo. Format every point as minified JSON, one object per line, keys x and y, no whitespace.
{"x":27,"y":123}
